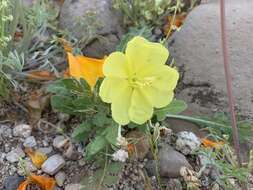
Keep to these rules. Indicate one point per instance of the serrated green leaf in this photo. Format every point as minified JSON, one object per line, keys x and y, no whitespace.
{"x":175,"y":107}
{"x":95,"y":146}
{"x":100,"y":119}
{"x":82,"y":131}
{"x":57,"y":88}
{"x":112,"y":134}
{"x":62,"y":104}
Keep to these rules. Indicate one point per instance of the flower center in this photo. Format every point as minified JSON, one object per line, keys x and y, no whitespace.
{"x":138,"y":82}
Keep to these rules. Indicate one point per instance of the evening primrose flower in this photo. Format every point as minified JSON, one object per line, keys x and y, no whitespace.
{"x":138,"y":81}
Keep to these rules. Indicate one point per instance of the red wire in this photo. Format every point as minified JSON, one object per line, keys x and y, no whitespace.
{"x":229,"y":82}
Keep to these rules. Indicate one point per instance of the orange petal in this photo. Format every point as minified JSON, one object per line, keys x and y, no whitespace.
{"x":23,"y":185}
{"x":87,"y":68}
{"x":46,"y":183}
{"x":211,"y":144}
{"x":38,"y":158}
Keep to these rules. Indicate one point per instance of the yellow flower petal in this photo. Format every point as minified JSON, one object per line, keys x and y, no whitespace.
{"x":141,"y":52}
{"x":140,"y":109}
{"x":116,"y":65}
{"x":121,"y":104}
{"x":111,"y":87}
{"x":87,"y":68}
{"x":158,"y":98}
{"x":165,"y":77}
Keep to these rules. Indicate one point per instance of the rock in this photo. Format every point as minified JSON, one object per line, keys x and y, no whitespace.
{"x":46,"y":150}
{"x":141,"y":146}
{"x":196,"y":49}
{"x":60,"y":178}
{"x":15,"y":155}
{"x":171,"y":161}
{"x":53,"y":164}
{"x":5,"y":131}
{"x":96,"y":15}
{"x":187,"y":142}
{"x":73,"y":187}
{"x":174,"y":184}
{"x":12,"y":182}
{"x":59,"y":142}
{"x":30,"y":142}
{"x":22,"y":130}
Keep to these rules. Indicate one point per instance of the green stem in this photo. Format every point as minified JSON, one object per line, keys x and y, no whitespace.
{"x":154,"y":151}
{"x":196,"y":120}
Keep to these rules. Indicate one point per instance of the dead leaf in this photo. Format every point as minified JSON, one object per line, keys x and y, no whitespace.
{"x":41,"y":75}
{"x":38,"y":158}
{"x":45,"y":183}
{"x":211,"y":144}
{"x":66,"y":45}
{"x":87,"y":68}
{"x":171,"y":26}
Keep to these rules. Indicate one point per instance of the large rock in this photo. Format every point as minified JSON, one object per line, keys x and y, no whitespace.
{"x":197,"y":52}
{"x":96,"y":14}
{"x":170,"y":163}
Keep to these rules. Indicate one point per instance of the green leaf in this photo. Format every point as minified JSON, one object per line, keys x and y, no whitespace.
{"x":112,"y":134}
{"x":58,"y":88}
{"x":82,"y":131}
{"x":103,"y":178}
{"x":63,"y":104}
{"x":175,"y":107}
{"x":100,"y":119}
{"x":95,"y":146}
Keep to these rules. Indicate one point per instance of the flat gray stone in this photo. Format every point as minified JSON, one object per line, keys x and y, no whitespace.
{"x":14,"y":155}
{"x":12,"y":182}
{"x":198,"y":54}
{"x":30,"y":142}
{"x":46,"y":150}
{"x":53,"y":164}
{"x":60,"y":178}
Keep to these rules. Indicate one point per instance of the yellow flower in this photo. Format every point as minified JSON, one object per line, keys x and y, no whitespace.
{"x":138,"y":81}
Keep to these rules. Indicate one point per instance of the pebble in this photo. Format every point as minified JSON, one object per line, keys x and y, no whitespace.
{"x":170,"y":163}
{"x":60,"y":178}
{"x":22,"y":130}
{"x":12,"y":182}
{"x":14,"y":155}
{"x":81,"y":162}
{"x":5,"y":131}
{"x":53,"y":164}
{"x":187,"y":142}
{"x":73,"y":187}
{"x":30,"y":142}
{"x":46,"y":150}
{"x":59,"y":142}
